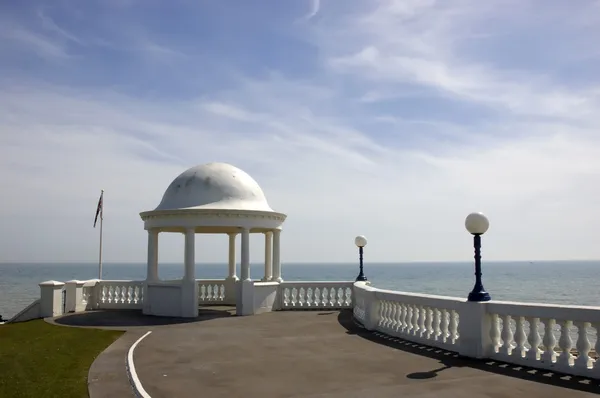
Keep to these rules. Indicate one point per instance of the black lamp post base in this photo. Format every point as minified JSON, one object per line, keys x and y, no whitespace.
{"x":361,"y":278}
{"x":479,"y":296}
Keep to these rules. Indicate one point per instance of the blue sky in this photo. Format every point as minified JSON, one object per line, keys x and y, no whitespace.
{"x":392,"y":119}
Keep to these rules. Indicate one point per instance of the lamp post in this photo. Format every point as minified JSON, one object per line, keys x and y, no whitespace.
{"x":477,"y":224}
{"x":360,"y":241}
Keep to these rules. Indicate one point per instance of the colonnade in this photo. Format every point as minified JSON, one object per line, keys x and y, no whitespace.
{"x":272,"y":264}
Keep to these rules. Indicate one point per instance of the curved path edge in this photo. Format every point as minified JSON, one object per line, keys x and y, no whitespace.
{"x":136,"y":384}
{"x":108,"y":377}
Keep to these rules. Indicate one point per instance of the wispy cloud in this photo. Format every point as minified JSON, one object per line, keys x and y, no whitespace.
{"x":19,"y":37}
{"x":399,"y":119}
{"x":315,"y":6}
{"x":427,"y":43}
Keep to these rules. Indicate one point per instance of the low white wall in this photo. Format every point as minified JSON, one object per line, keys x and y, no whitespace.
{"x":32,"y":311}
{"x":265,"y":297}
{"x":554,"y":337}
{"x":163,"y":299}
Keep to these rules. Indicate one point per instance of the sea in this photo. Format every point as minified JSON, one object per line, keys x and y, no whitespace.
{"x":550,"y":282}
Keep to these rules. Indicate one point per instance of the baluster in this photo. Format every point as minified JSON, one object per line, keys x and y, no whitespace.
{"x":534,"y":339}
{"x":436,"y":324}
{"x":453,"y":327}
{"x":222,"y":293}
{"x":445,"y":324}
{"x":294,"y":297}
{"x":583,"y":360}
{"x":136,"y":295}
{"x":103,"y":298}
{"x":422,"y":316}
{"x":403,"y":314}
{"x":111,"y":294}
{"x":409,"y":317}
{"x":520,"y":338}
{"x":393,"y":310}
{"x":388,"y":312}
{"x":381,"y":322}
{"x":382,"y":313}
{"x":549,"y":355}
{"x":507,"y":336}
{"x":203,"y":292}
{"x":332,"y":298}
{"x":566,"y":344}
{"x":398,"y":324}
{"x":415,"y":320}
{"x":495,"y":333}
{"x":318,"y":297}
{"x":286,"y":297}
{"x":129,"y":294}
{"x":141,"y":294}
{"x":325,"y":297}
{"x":115,"y":295}
{"x":348,"y":301}
{"x":119,"y":294}
{"x":309,"y":297}
{"x":596,"y":364}
{"x":340,"y":293}
{"x":429,"y":323}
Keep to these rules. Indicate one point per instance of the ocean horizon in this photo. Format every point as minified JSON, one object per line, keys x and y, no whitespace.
{"x":561,"y":282}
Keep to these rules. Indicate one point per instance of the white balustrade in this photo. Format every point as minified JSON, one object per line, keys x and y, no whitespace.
{"x":554,"y":337}
{"x":422,"y":318}
{"x":117,"y":294}
{"x":212,"y":291}
{"x":316,"y":295}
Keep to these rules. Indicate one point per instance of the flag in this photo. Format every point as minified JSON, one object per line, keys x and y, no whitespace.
{"x":99,"y":209}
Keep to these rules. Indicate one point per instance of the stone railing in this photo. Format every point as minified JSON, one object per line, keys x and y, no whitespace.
{"x":564,"y":337}
{"x":114,"y":294}
{"x":214,"y":291}
{"x":315,"y":295}
{"x":554,"y":337}
{"x":422,"y":318}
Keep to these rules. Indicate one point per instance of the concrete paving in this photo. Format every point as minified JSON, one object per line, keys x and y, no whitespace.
{"x":322,"y":354}
{"x":300,"y":354}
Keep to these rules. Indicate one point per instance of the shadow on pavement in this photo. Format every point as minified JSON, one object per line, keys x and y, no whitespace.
{"x":450,"y":359}
{"x":132,"y":318}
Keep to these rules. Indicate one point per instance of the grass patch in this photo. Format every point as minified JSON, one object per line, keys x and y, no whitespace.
{"x":42,"y":360}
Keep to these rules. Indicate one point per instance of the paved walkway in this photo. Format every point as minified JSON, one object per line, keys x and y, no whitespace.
{"x":304,"y":354}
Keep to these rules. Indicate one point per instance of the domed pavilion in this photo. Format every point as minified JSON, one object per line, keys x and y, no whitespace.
{"x":213,"y":198}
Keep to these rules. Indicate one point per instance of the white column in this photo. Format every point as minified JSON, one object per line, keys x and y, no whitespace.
{"x":152,"y":268}
{"x":189,"y":287}
{"x":268,"y":256}
{"x":232,"y":275}
{"x":190,"y":255}
{"x":276,"y":256}
{"x":246,"y":255}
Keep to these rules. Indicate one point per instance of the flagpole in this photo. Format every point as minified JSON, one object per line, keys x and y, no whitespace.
{"x":101,"y":221}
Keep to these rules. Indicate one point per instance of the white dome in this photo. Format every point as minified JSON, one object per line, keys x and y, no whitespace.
{"x":214,"y":186}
